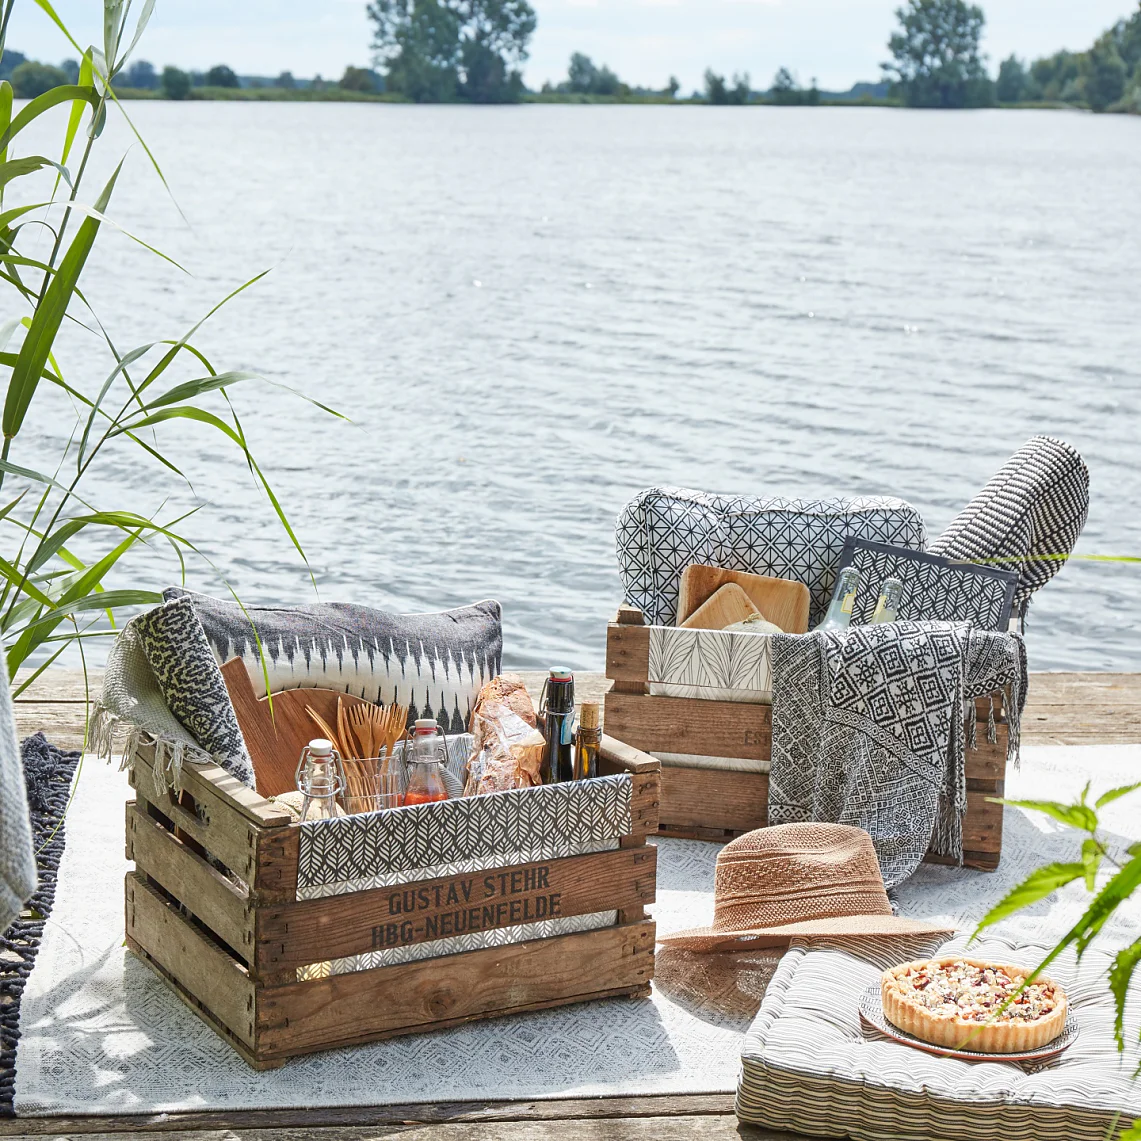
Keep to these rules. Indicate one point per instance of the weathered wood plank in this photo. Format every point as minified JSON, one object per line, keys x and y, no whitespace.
{"x":314,"y":930}
{"x":214,"y":899}
{"x":339,"y":1010}
{"x":721,"y":1127}
{"x":687,"y":725}
{"x":628,"y":657}
{"x":203,"y":969}
{"x":359,"y":1122}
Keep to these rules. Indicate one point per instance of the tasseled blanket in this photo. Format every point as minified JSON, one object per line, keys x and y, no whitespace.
{"x":870,"y":728}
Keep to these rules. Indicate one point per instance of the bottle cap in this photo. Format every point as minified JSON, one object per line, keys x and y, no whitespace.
{"x":559,"y":674}
{"x":588,"y":719}
{"x":320,"y":747}
{"x":424,"y":724}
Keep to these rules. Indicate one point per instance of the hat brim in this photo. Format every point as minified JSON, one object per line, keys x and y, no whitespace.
{"x":706,"y":939}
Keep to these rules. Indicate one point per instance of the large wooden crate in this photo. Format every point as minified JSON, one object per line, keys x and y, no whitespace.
{"x":717,"y":804}
{"x":212,"y":906}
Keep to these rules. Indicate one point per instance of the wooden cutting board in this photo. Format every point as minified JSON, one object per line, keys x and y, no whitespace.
{"x":275,"y":741}
{"x":722,"y":608}
{"x":781,"y":601}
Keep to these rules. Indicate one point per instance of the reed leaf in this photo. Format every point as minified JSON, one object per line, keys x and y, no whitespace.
{"x":67,"y":93}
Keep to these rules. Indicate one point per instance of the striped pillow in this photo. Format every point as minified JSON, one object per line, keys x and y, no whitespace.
{"x":808,"y":1066}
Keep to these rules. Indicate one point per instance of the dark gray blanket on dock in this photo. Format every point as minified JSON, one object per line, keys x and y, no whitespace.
{"x":47,"y":777}
{"x":869,"y":729}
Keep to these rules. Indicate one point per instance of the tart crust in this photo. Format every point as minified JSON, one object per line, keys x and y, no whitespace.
{"x":962,"y":996}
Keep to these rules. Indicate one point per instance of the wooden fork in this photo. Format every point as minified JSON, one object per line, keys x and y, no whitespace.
{"x":360,"y":721}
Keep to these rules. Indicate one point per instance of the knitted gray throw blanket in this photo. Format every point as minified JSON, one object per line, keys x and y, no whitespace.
{"x":869,"y":729}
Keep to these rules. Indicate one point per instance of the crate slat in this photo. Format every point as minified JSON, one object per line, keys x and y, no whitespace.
{"x":202,"y":968}
{"x":434,"y":993}
{"x":162,"y":856}
{"x":691,"y":725}
{"x":297,"y":934}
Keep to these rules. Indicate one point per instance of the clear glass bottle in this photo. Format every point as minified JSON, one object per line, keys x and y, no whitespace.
{"x":839,"y":616}
{"x":587,"y":742}
{"x":320,"y":779}
{"x":425,"y":768}
{"x":887,"y":609}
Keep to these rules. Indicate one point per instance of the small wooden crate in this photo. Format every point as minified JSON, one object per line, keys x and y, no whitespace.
{"x":716,"y":804}
{"x":212,"y":907}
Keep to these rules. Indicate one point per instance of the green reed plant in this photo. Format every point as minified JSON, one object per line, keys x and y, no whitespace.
{"x":60,"y":546}
{"x":1095,"y":852}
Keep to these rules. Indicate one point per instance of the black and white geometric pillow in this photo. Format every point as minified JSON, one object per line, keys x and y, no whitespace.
{"x":433,"y":663}
{"x":191,"y":682}
{"x":934,"y":589}
{"x":1028,"y":517}
{"x":663,"y":530}
{"x":377,"y":849}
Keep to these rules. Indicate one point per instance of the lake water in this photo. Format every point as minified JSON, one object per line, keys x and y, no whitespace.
{"x":532,"y":312}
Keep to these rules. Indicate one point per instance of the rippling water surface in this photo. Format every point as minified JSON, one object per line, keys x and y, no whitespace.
{"x":530,"y":313}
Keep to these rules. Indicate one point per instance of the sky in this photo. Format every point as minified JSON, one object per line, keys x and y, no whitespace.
{"x":645,"y":41}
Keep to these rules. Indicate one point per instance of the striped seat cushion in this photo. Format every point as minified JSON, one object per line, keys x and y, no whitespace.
{"x":807,"y":1065}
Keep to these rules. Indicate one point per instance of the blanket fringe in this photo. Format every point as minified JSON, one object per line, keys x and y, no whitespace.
{"x":110,"y":733}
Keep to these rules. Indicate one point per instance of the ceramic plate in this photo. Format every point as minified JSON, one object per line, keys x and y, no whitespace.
{"x":871,"y":1012}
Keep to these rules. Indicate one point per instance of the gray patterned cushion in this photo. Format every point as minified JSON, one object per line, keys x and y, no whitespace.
{"x":663,"y":529}
{"x":191,"y":683}
{"x":433,"y":663}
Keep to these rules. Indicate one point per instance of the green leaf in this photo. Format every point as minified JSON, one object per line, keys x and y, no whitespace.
{"x":65,"y":93}
{"x":1075,"y":815}
{"x":1036,"y":886}
{"x":48,"y":317}
{"x":1120,"y":974}
{"x":1133,"y":1133}
{"x":28,"y":473}
{"x":112,"y":31}
{"x":1092,"y":852}
{"x":97,"y":600}
{"x":86,"y":79}
{"x":5,"y":113}
{"x":19,"y":167}
{"x":140,"y":27}
{"x":45,"y":5}
{"x":1116,"y":794}
{"x":191,"y":388}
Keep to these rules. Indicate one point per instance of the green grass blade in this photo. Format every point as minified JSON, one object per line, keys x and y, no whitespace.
{"x":1079,"y":816}
{"x":20,"y":167}
{"x":45,"y":5}
{"x":86,"y":79}
{"x":5,"y":115}
{"x":192,"y":388}
{"x":48,"y":318}
{"x":1116,"y":794}
{"x":140,"y":27}
{"x":1036,"y":886}
{"x":65,"y":93}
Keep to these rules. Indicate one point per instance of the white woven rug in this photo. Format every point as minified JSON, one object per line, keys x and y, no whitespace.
{"x":101,"y":1034}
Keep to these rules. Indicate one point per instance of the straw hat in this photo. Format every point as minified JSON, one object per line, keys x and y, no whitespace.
{"x":798,"y":879}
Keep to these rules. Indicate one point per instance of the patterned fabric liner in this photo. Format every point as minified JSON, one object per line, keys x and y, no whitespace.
{"x":664,"y":529}
{"x":351,"y":853}
{"x":934,"y":588}
{"x":715,"y":665}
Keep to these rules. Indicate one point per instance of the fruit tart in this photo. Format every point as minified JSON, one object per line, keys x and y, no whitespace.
{"x":953,"y":1002}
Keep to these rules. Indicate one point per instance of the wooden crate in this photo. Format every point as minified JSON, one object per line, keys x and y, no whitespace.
{"x":212,"y":907}
{"x":715,"y":804}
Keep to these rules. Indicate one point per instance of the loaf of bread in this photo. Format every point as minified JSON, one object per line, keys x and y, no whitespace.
{"x":507,"y":751}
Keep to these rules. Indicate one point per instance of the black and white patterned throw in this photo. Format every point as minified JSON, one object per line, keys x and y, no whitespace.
{"x":1027,"y":518}
{"x":868,"y":730}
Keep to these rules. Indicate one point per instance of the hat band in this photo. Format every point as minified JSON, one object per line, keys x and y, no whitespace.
{"x":748,"y":913}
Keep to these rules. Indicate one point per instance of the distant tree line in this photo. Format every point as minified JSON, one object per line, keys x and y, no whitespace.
{"x":937,"y":62}
{"x":1107,"y":75}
